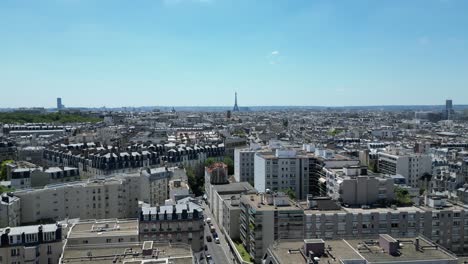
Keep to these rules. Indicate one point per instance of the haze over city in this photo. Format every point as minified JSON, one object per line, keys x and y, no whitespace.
{"x":199,"y":52}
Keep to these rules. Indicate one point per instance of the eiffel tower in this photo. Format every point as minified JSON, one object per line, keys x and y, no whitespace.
{"x":236,"y":108}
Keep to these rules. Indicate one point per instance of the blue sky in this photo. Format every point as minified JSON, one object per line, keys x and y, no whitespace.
{"x":199,"y":52}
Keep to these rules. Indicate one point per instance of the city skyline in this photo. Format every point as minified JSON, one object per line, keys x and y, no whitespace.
{"x":199,"y":52}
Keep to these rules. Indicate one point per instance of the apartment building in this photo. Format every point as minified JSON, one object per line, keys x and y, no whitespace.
{"x":353,"y":186}
{"x":26,"y":175}
{"x":446,"y":226}
{"x":219,"y":193}
{"x":10,"y":209}
{"x":266,"y":218}
{"x":154,"y":185}
{"x":410,"y":165}
{"x":105,"y":231}
{"x":115,"y":197}
{"x":117,"y":241}
{"x":8,"y":150}
{"x":244,"y":164}
{"x":282,"y":170}
{"x":180,"y":223}
{"x":231,"y":216}
{"x":40,"y":244}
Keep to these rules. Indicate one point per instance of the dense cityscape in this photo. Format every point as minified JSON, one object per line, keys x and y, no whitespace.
{"x":331,"y":185}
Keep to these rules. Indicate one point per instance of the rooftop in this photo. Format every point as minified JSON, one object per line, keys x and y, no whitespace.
{"x":255,"y":201}
{"x":107,"y":228}
{"x":369,"y":250}
{"x":135,"y":253}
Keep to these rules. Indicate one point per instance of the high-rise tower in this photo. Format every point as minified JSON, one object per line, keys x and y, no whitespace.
{"x":449,"y":109}
{"x":236,"y":108}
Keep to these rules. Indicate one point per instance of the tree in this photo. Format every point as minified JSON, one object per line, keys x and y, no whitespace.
{"x":230,"y":163}
{"x":3,"y":169}
{"x":402,"y":197}
{"x":196,"y":179}
{"x":291,"y":193}
{"x":209,"y":162}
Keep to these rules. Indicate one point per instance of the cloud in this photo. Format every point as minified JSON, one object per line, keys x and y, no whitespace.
{"x":274,"y":57}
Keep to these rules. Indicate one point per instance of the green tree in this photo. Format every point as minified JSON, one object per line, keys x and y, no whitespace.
{"x":3,"y":169}
{"x":403,"y":197}
{"x":230,"y":163}
{"x":209,"y":162}
{"x":291,"y":193}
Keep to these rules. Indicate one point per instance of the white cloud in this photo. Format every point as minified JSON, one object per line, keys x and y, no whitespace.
{"x":274,"y":57}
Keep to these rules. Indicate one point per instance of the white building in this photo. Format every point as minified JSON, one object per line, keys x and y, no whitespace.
{"x":410,"y":165}
{"x":352,"y":186}
{"x":244,"y":165}
{"x":282,"y":170}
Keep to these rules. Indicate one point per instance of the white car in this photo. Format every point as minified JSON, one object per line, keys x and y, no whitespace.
{"x":208,"y":220}
{"x":217,"y":240}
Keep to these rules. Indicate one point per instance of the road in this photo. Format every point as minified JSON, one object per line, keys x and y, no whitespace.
{"x":220,"y":252}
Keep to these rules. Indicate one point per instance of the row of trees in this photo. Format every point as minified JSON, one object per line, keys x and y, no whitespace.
{"x":196,"y":174}
{"x":58,"y":118}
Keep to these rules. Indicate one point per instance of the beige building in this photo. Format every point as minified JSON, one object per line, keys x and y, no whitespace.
{"x":353,"y":186}
{"x":154,"y":185}
{"x":94,"y":199}
{"x":447,"y":226}
{"x":180,"y":223}
{"x":266,"y":218}
{"x":39,"y":244}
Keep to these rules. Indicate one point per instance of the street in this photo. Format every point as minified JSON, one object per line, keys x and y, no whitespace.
{"x":219,"y":252}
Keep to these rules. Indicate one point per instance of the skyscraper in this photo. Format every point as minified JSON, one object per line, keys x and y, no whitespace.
{"x":236,"y":108}
{"x":449,"y":109}
{"x":59,"y":103}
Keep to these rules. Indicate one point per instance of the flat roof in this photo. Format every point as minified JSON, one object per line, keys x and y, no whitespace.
{"x":337,"y":251}
{"x":105,"y":228}
{"x":128,"y":253}
{"x":255,"y":200}
{"x":406,"y":253}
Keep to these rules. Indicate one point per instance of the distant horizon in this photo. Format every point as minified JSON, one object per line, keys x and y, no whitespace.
{"x":241,"y":106}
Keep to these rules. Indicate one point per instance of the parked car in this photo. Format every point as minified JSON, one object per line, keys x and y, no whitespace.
{"x":217,"y":240}
{"x":209,"y":238}
{"x":206,"y":247}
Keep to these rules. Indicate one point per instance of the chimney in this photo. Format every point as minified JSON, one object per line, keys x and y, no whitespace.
{"x":416,"y":244}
